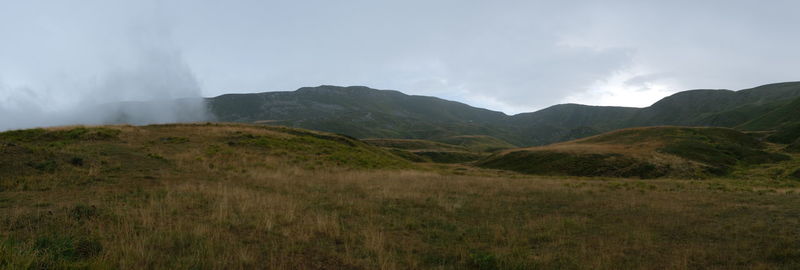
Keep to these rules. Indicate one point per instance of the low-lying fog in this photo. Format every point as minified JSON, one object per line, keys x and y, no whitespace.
{"x":160,"y":88}
{"x":98,"y":68}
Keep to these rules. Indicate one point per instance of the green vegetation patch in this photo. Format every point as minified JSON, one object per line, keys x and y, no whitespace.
{"x":786,"y":134}
{"x":449,"y":156}
{"x":777,"y":118}
{"x":74,"y":134}
{"x":558,"y":163}
{"x":670,"y":134}
{"x":428,"y":151}
{"x":173,"y":140}
{"x":478,"y":143}
{"x":24,"y":152}
{"x":69,"y":157}
{"x":55,"y":251}
{"x":794,"y":147}
{"x":718,"y":149}
{"x":795,"y":174}
{"x":309,"y":147}
{"x":408,"y":155}
{"x":17,"y":159}
{"x":719,"y":156}
{"x":405,"y":144}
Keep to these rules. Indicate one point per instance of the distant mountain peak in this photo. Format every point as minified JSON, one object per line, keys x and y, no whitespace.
{"x":365,"y":112}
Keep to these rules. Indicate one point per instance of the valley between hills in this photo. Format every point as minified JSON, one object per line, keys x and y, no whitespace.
{"x":357,"y":178}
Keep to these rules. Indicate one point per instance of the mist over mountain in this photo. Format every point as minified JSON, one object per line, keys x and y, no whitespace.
{"x":364,"y":112}
{"x":116,"y":64}
{"x":413,"y":134}
{"x":158,"y":88}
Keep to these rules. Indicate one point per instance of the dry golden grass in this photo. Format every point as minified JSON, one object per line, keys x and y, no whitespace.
{"x":250,"y":209}
{"x":299,"y":219}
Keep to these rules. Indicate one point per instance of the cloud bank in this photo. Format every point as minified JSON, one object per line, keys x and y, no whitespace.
{"x":511,"y":55}
{"x":106,"y":69}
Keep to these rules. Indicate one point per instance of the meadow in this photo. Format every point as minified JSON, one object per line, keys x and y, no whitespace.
{"x":223,"y":196}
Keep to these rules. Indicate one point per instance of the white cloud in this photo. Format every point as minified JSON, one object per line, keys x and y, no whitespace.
{"x":628,"y":89}
{"x":74,"y":64}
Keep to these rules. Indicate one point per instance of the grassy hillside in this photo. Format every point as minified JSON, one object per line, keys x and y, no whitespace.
{"x":368,"y":113}
{"x":253,"y":197}
{"x":455,"y":149}
{"x":576,"y":115}
{"x":641,"y":152}
{"x":786,"y":134}
{"x":722,"y":108}
{"x":794,"y":147}
{"x":362,"y":112}
{"x":566,"y":122}
{"x":84,"y":155}
{"x":410,"y":144}
{"x":428,"y":151}
{"x":478,"y":143}
{"x":737,"y":116}
{"x":778,"y":117}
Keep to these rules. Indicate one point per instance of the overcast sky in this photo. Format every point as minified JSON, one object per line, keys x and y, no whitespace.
{"x":512,"y":56}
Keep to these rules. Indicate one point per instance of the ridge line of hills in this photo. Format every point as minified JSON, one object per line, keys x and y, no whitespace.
{"x":364,"y":112}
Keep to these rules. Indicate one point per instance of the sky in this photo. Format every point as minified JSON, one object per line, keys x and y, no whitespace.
{"x":506,"y":55}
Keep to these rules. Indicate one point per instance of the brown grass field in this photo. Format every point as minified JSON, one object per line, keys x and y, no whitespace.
{"x":248,"y":197}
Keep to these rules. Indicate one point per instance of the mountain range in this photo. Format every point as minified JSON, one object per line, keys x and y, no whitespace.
{"x":364,"y":112}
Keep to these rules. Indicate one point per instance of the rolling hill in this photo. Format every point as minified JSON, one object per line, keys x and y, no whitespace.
{"x":427,"y":151}
{"x":456,"y":149}
{"x":363,"y":112}
{"x":641,"y":152}
{"x":782,"y":115}
{"x":568,"y":122}
{"x":243,"y":196}
{"x":722,"y":108}
{"x":86,"y":154}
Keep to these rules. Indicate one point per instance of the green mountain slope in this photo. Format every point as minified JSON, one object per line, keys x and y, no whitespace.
{"x":716,"y":107}
{"x":362,"y":112}
{"x":786,"y":134}
{"x":368,"y":113}
{"x":781,"y":115}
{"x":568,"y":121}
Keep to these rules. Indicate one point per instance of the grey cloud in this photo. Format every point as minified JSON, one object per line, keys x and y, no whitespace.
{"x":507,"y":55}
{"x":701,"y":44}
{"x":120,"y":66}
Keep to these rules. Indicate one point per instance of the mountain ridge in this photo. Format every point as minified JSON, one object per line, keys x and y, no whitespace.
{"x":363,"y":112}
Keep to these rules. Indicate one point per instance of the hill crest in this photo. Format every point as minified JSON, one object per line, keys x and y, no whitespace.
{"x":364,"y":112}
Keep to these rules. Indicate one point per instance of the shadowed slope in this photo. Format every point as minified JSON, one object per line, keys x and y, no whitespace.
{"x":368,"y":113}
{"x":361,"y":112}
{"x":779,"y":117}
{"x":428,"y":151}
{"x":716,"y":107}
{"x":640,"y":152}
